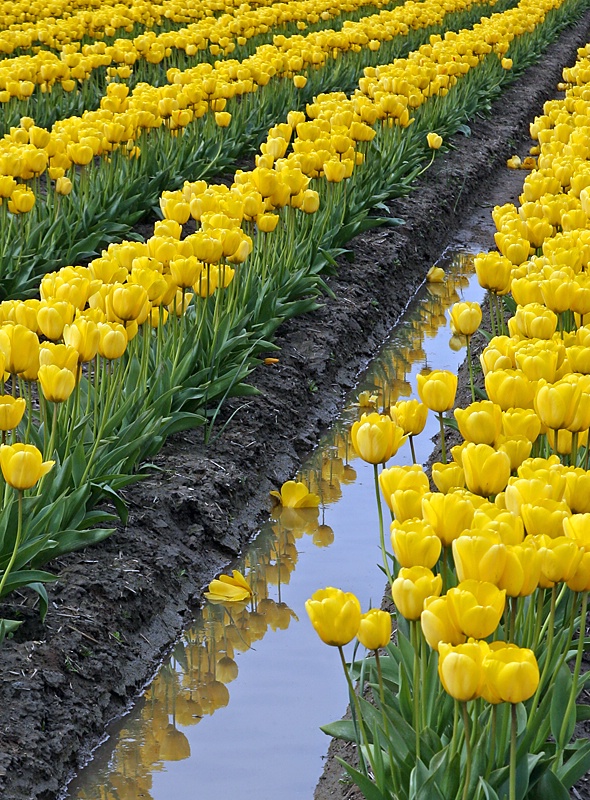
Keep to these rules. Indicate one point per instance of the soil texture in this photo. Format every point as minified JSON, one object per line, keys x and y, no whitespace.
{"x":117,"y":608}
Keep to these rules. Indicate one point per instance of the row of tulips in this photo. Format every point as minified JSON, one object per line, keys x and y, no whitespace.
{"x":490,"y":574}
{"x":25,"y":26}
{"x":150,"y":338}
{"x":118,"y":159}
{"x":50,"y":86}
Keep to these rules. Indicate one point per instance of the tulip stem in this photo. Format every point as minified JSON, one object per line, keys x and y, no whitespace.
{"x":455,"y":736}
{"x":19,"y":532}
{"x":357,"y":708}
{"x":412,"y":449}
{"x":470,"y":365}
{"x":415,"y":633}
{"x":492,"y":740}
{"x":492,"y":314}
{"x":468,"y":750}
{"x":381,"y":530}
{"x":513,"y":728}
{"x":548,"y":653}
{"x":443,"y":445}
{"x":574,"y":691}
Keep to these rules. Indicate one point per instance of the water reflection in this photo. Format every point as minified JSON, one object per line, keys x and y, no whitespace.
{"x":194,"y":682}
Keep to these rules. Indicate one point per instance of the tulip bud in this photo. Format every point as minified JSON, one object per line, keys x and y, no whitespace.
{"x":12,"y":410}
{"x":57,"y":384}
{"x":511,"y":672}
{"x":415,"y":543}
{"x":376,"y":438}
{"x":437,"y":390}
{"x":437,"y":624}
{"x":480,"y":422}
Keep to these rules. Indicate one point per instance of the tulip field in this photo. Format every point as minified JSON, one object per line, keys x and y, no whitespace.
{"x":143,"y":291}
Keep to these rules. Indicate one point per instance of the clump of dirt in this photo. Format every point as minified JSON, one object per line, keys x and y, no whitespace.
{"x":117,"y":608}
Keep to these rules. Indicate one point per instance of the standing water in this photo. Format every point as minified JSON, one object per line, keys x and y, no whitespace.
{"x":236,"y":709}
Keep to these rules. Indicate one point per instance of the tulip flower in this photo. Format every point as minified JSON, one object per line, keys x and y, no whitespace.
{"x":376,"y":438}
{"x":447,"y":477}
{"x":335,"y":615}
{"x":411,"y":588}
{"x":414,"y":543}
{"x":545,"y":516}
{"x":522,"y":570}
{"x":493,"y":272}
{"x":374,"y":629}
{"x":437,"y":390}
{"x":448,"y":514}
{"x":521,"y":422}
{"x":406,"y":504}
{"x":487,"y":471}
{"x":476,"y":607}
{"x":437,"y":623}
{"x":479,"y":555}
{"x":434,"y":140}
{"x":465,"y":317}
{"x":410,"y":415}
{"x":393,"y":479}
{"x":556,"y":404}
{"x":480,"y":422}
{"x":510,"y":388}
{"x":12,"y":410}
{"x":295,"y":494}
{"x":232,"y":588}
{"x":511,"y":672}
{"x":460,"y":668}
{"x":22,"y":465}
{"x":560,"y":558}
{"x":56,"y":384}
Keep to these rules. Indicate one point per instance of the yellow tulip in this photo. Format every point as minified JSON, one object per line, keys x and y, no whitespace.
{"x":393,"y":479}
{"x":486,"y":470}
{"x":556,"y":404}
{"x":560,"y":558}
{"x":335,"y":615}
{"x":448,"y":514}
{"x":511,"y":672}
{"x":232,"y":588}
{"x":479,"y":555}
{"x":12,"y":410}
{"x":465,"y":317}
{"x":522,"y":570}
{"x":460,"y":668}
{"x":295,"y":494}
{"x":374,"y":629}
{"x":521,"y":422}
{"x":415,"y":543}
{"x":447,"y":477}
{"x":493,"y":272}
{"x":510,"y":388}
{"x":545,"y":516}
{"x":57,"y":383}
{"x":476,"y":607}
{"x":437,"y":390}
{"x":410,"y":415}
{"x":434,"y":140}
{"x":411,"y":588}
{"x":437,"y":624}
{"x":376,"y":438}
{"x":480,"y":422}
{"x":22,"y":465}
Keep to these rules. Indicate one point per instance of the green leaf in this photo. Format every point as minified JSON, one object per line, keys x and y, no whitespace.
{"x":582,"y":712}
{"x":8,"y":626}
{"x":40,"y":589}
{"x":367,"y":787}
{"x":575,"y":765}
{"x":549,"y":787}
{"x":489,"y":792}
{"x":341,"y":729}
{"x":562,"y":688}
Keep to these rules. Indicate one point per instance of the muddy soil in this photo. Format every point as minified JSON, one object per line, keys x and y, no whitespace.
{"x":117,"y":607}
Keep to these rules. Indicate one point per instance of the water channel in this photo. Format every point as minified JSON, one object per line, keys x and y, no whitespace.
{"x":236,"y":710}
